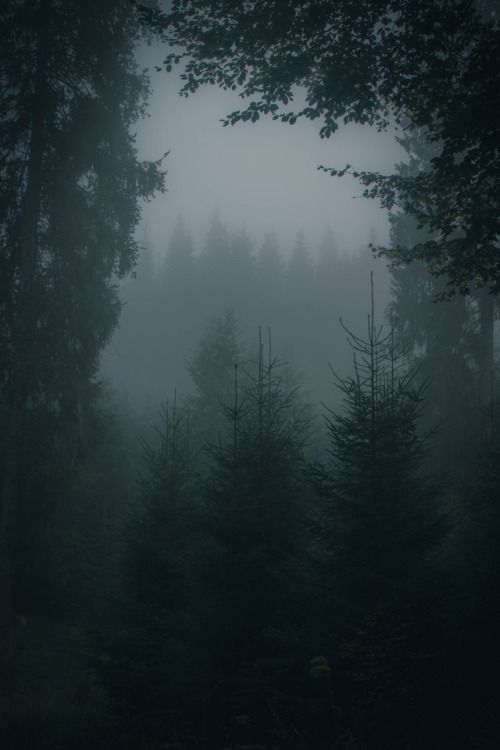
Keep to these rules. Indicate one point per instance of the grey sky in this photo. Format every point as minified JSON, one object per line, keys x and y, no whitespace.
{"x":260,"y":176}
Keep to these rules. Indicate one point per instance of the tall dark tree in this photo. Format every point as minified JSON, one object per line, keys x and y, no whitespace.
{"x":240,"y":279}
{"x":382,"y":527}
{"x":441,"y":338}
{"x":150,"y":649}
{"x":300,"y":273}
{"x":180,"y":312}
{"x":129,"y":360}
{"x":327,"y":265}
{"x":270,"y":281}
{"x":179,"y":260}
{"x":212,"y":369}
{"x":334,"y":291}
{"x":299,"y":302}
{"x":213,"y":264}
{"x":384,"y":515}
{"x":70,"y":184}
{"x":449,"y":340}
{"x":255,"y":508}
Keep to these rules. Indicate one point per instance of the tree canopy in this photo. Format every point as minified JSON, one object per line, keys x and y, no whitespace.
{"x":402,"y":63}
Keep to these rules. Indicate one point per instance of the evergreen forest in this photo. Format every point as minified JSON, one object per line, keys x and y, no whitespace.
{"x":249,"y":490}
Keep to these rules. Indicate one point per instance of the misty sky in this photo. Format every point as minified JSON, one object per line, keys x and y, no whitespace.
{"x":259,"y":176}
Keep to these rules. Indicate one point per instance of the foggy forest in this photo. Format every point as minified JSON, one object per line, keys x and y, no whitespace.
{"x":249,"y":375}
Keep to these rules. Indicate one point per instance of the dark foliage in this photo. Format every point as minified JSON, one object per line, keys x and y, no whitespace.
{"x":425,"y":65}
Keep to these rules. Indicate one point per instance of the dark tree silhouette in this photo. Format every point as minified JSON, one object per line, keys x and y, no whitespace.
{"x":70,"y":185}
{"x":384,"y":516}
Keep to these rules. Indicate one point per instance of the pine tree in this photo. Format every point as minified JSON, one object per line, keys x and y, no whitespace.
{"x":150,"y":651}
{"x":327,"y":269}
{"x":383,"y":514}
{"x":213,"y":264}
{"x":240,"y":278}
{"x":180,"y":313}
{"x":447,"y":338}
{"x":300,"y":303}
{"x":179,"y":260}
{"x":255,"y":507}
{"x":129,"y":361}
{"x":270,"y":281}
{"x":441,"y":338}
{"x":70,"y":183}
{"x":300,"y":274}
{"x":382,"y":527}
{"x":211,"y":368}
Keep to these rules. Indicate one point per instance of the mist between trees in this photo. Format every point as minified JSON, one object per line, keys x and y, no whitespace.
{"x":266,"y":516}
{"x":298,"y":291}
{"x":242,"y":565}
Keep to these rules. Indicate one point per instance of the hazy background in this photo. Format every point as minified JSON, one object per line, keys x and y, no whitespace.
{"x":260,"y":176}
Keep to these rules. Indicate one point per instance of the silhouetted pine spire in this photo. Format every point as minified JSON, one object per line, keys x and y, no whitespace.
{"x":179,"y":260}
{"x":383,"y":515}
{"x":147,"y":654}
{"x":328,"y":278}
{"x":213,"y":266}
{"x":300,"y":303}
{"x":240,"y":278}
{"x":269,"y":259}
{"x":255,"y":512}
{"x":211,"y":368}
{"x":300,"y":273}
{"x":270,"y":281}
{"x":328,"y":256}
{"x":443,"y":337}
{"x":132,"y":355}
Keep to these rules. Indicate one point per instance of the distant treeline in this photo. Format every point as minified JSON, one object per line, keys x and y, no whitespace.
{"x":298,"y":293}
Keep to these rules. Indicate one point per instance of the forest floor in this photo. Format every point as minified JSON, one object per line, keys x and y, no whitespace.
{"x":47,"y":696}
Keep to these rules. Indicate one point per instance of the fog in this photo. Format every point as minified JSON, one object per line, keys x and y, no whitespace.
{"x":261,"y":176}
{"x":261,"y":179}
{"x":249,"y":473}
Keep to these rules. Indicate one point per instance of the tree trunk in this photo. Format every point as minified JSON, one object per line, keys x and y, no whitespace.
{"x":6,"y":511}
{"x":486,"y":304}
{"x":24,"y":324}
